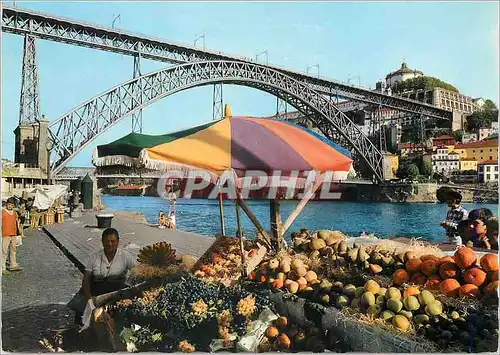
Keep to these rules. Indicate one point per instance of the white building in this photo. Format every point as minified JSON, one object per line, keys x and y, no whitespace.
{"x":401,"y":74}
{"x":484,"y":133}
{"x":469,"y":137}
{"x":487,"y":171}
{"x":444,"y":162}
{"x":494,"y":128}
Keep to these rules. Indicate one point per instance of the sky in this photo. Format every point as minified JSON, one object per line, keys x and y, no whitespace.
{"x":456,"y":42}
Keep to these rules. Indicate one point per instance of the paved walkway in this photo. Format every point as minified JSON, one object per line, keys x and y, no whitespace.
{"x":34,"y":300}
{"x":80,"y":237}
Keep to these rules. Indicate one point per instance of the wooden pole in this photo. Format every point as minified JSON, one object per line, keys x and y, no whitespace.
{"x":255,"y":222}
{"x":240,"y":236}
{"x":221,"y":213}
{"x":275,"y":217}
{"x":300,"y":206}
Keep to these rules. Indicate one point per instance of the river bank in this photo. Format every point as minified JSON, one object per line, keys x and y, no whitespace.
{"x":419,"y":220}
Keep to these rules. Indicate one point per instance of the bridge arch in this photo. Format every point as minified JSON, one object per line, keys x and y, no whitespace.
{"x":76,"y":129}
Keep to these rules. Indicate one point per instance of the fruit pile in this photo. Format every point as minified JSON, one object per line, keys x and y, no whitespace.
{"x":222,"y":262}
{"x":187,"y":315}
{"x":283,"y":336}
{"x":457,"y":276}
{"x":285,"y":271}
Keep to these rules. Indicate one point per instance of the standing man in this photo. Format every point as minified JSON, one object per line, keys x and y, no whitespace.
{"x":455,"y":215}
{"x":11,"y":228}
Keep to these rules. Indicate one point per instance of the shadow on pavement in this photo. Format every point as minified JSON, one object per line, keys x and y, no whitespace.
{"x":24,"y":329}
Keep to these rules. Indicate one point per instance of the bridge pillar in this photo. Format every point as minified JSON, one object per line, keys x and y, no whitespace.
{"x":30,"y":142}
{"x":217,"y":103}
{"x":281,"y":107}
{"x":137,"y":116}
{"x":29,"y":105}
{"x":457,"y":122}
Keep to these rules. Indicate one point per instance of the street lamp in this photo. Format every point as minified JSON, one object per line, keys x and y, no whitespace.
{"x":48,"y":145}
{"x":264,"y":52}
{"x":312,"y":66}
{"x":198,"y":38}
{"x":117,"y":17}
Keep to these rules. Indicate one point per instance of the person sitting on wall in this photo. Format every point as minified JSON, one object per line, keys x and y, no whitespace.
{"x":161,"y":220}
{"x":105,"y":272}
{"x":170,"y":224}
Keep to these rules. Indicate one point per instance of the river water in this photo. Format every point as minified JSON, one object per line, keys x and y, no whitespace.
{"x":383,"y":219}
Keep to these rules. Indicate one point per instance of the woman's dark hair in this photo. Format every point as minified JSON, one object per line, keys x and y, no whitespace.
{"x":110,"y":231}
{"x":492,"y":227}
{"x":454,"y":195}
{"x":481,"y":213}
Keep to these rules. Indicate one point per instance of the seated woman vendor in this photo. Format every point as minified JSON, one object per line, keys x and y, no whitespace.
{"x":161,"y":220}
{"x":107,"y":269}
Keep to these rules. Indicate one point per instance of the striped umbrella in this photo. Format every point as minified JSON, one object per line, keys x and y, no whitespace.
{"x":238,"y":144}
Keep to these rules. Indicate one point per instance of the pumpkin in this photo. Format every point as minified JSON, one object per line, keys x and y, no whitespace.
{"x":411,"y":291}
{"x":410,"y":255}
{"x":418,"y":279}
{"x":302,"y":283}
{"x":433,"y":282}
{"x":281,"y":322}
{"x":445,"y":259}
{"x":448,"y":270}
{"x":475,"y":276}
{"x":492,"y":288}
{"x":465,"y":257}
{"x":428,"y":267}
{"x":427,"y":257}
{"x":468,"y":291}
{"x":400,"y":277}
{"x":449,"y":287}
{"x":413,"y":265}
{"x":494,"y":276}
{"x":489,"y":262}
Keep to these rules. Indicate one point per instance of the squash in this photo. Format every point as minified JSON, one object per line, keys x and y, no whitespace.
{"x":427,"y":257}
{"x":448,"y":270}
{"x":491,"y":289}
{"x":428,"y":267}
{"x":449,"y":287}
{"x":489,"y":262}
{"x":474,"y":276}
{"x":445,"y":259}
{"x":469,"y":291}
{"x":433,"y":282}
{"x":411,"y":291}
{"x":400,"y":277}
{"x":465,"y":257}
{"x":418,"y":279}
{"x":413,"y":265}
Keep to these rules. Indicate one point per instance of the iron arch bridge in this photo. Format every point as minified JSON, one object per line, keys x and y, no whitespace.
{"x":77,"y":128}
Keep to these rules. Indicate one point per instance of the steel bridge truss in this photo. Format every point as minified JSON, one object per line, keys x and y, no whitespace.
{"x":76,"y":129}
{"x":27,"y":22}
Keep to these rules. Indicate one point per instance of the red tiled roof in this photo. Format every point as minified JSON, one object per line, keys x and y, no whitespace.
{"x":444,"y":137}
{"x":410,"y":145}
{"x":129,"y":187}
{"x":489,"y":162}
{"x":478,"y":144}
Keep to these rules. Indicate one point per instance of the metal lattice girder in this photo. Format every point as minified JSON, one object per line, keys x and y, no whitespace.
{"x":29,"y":103}
{"x":137,"y":116}
{"x":54,"y":28}
{"x":217,"y":103}
{"x":73,"y":131}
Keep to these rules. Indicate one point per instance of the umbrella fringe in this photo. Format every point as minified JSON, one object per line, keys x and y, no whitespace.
{"x":114,"y":160}
{"x":161,"y":165}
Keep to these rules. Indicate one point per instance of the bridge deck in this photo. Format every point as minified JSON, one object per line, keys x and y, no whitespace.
{"x":80,"y":237}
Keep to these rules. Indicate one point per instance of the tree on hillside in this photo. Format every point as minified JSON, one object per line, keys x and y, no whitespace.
{"x":422,"y":82}
{"x":426,"y":168}
{"x":458,"y":135}
{"x":484,"y":117}
{"x":407,"y":170}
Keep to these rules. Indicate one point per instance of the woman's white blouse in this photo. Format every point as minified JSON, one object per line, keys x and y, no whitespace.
{"x":100,"y":268}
